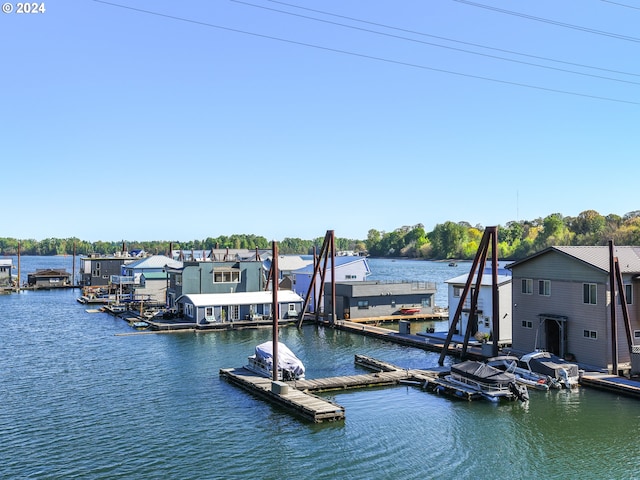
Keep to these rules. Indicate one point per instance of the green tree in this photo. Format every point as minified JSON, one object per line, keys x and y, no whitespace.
{"x":447,"y":240}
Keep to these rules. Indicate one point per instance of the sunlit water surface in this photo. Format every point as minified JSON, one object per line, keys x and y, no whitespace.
{"x":81,"y":400}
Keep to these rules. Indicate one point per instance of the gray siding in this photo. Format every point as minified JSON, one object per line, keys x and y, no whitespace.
{"x":382,"y":298}
{"x":567,"y":276}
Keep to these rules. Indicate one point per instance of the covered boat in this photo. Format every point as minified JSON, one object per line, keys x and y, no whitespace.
{"x":492,"y":383}
{"x":289,"y":366}
{"x":566,"y":373}
{"x":524,"y":375}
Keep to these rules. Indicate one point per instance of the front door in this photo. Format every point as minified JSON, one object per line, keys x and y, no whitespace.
{"x":553,"y":336}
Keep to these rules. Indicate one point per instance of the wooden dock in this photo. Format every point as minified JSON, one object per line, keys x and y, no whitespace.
{"x":296,"y":396}
{"x":366,"y":380}
{"x":611,"y":383}
{"x":438,"y":316}
{"x":301,"y":403}
{"x":299,"y":399}
{"x":425,"y":342}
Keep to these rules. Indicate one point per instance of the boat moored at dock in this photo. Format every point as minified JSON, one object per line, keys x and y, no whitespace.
{"x":564,"y":372}
{"x":524,"y":375}
{"x":289,"y":367}
{"x":490,"y":382}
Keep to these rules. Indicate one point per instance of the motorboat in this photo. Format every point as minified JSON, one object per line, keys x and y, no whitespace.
{"x":409,"y":310}
{"x":546,"y":363}
{"x":290,"y":367}
{"x":491,"y":382}
{"x":524,"y":375}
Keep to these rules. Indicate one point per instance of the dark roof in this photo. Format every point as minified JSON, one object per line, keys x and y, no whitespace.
{"x":49,"y":272}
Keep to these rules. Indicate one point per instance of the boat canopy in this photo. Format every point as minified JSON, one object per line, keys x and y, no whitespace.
{"x":481,"y":372}
{"x":286,"y":358}
{"x":549,"y":364}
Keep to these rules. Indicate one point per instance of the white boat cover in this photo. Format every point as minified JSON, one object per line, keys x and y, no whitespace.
{"x":286,"y":358}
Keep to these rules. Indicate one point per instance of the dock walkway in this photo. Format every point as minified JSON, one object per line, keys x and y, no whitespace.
{"x":301,"y":403}
{"x":611,"y":383}
{"x":431,"y":342}
{"x":296,"y":395}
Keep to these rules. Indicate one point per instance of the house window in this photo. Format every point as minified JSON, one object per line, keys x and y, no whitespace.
{"x":590,"y":291}
{"x":226,"y":276}
{"x":590,"y":334}
{"x":350,"y":277}
{"x":636,"y":334}
{"x":188,"y":310}
{"x":178,"y":279}
{"x":426,"y":302}
{"x":363,"y":304}
{"x":628,"y":295}
{"x":208,"y":312}
{"x":457,"y":291}
{"x":544,"y":287}
{"x":527,"y":324}
{"x":527,"y":286}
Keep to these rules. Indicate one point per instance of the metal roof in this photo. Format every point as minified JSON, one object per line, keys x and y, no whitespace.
{"x":339,"y":262}
{"x":596,"y":256}
{"x":486,"y":279}
{"x":155,"y":275}
{"x":155,"y":261}
{"x":240,"y":298}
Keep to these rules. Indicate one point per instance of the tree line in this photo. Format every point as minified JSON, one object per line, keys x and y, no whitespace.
{"x":449,"y":240}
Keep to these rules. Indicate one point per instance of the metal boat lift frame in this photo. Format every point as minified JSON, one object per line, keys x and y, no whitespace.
{"x":489,"y":240}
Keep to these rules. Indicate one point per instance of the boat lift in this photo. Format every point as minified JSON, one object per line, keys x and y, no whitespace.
{"x":489,"y":239}
{"x":328,"y":250}
{"x":615,"y":281}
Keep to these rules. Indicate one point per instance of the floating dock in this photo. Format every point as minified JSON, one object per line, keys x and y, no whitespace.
{"x":431,"y":342}
{"x":303,"y":404}
{"x":611,"y":383}
{"x":296,"y":396}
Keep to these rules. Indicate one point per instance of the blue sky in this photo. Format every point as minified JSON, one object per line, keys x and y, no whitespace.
{"x":183,"y":120}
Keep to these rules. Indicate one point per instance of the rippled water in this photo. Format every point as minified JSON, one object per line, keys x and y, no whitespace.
{"x":81,"y":400}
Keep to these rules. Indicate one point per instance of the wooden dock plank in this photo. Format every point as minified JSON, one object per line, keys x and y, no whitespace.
{"x":305,"y":404}
{"x":612,"y":383}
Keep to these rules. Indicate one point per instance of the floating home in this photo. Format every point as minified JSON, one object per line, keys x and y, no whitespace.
{"x":209,"y":308}
{"x":562,"y":303}
{"x":482,"y":320}
{"x":378,"y":299}
{"x":6,"y":266}
{"x":49,"y":278}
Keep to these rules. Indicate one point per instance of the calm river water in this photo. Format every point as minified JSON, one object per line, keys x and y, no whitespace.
{"x":81,"y":400}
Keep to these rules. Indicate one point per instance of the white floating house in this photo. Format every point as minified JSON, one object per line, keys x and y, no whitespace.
{"x":483,"y":322}
{"x":208,"y":308}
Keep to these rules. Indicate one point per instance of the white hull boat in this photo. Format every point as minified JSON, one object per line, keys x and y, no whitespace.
{"x":567,"y":374}
{"x":524,"y":376}
{"x":492,"y":383}
{"x":289,"y":366}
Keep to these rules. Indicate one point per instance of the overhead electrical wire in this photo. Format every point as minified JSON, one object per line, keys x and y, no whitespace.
{"x":471,"y":52}
{"x":621,"y":4}
{"x":551,"y":22}
{"x":414,"y":32}
{"x":370,"y":57}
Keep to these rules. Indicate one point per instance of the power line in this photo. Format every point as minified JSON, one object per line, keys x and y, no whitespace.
{"x":621,"y":4}
{"x":552,"y":22}
{"x":370,"y":57}
{"x":436,"y":44}
{"x":512,"y":52}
